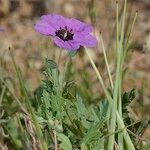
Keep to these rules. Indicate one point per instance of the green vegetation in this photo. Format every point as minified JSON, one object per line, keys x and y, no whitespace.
{"x":63,"y":114}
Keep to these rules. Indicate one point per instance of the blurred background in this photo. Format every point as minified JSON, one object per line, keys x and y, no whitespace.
{"x":17,"y":18}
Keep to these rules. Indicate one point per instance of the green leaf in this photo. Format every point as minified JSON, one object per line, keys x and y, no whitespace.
{"x":65,"y":142}
{"x":46,"y":104}
{"x":83,"y":147}
{"x":128,"y":97}
{"x":72,"y":53}
{"x":103,"y":109}
{"x":143,"y":125}
{"x":146,"y":147}
{"x":41,"y":119}
{"x":99,"y":144}
{"x":93,"y":134}
{"x":50,"y":64}
{"x":82,"y":111}
{"x":46,"y":98}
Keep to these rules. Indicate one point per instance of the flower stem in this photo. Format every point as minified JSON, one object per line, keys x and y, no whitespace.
{"x":106,"y":62}
{"x":98,"y":74}
{"x":59,"y":57}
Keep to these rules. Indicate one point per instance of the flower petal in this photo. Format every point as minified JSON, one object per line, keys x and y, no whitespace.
{"x":78,"y":26}
{"x":2,"y":30}
{"x":49,"y":24}
{"x":87,"y":40}
{"x":74,"y":45}
{"x":69,"y":45}
{"x":44,"y":28}
{"x":61,"y":43}
{"x":54,"y":20}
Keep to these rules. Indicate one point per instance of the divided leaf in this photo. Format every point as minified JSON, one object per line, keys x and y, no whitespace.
{"x":50,"y":64}
{"x":65,"y":142}
{"x":128,"y":97}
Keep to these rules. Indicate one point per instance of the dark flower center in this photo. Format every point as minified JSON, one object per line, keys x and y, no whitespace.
{"x":64,"y":34}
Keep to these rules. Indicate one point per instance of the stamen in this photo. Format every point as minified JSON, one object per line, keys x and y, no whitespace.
{"x":64,"y":34}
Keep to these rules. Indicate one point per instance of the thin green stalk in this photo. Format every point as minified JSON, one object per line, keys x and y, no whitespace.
{"x":59,"y":57}
{"x":109,"y":98}
{"x":125,"y":133}
{"x":65,"y":68}
{"x":100,"y":40}
{"x":131,"y":29}
{"x":114,"y":107}
{"x":120,"y":47}
{"x":37,"y":130}
{"x":2,"y":94}
{"x":117,"y":37}
{"x":128,"y":38}
{"x":106,"y":62}
{"x":120,"y":136}
{"x":122,"y":129}
{"x":118,"y":77}
{"x":15,"y":97}
{"x":98,"y":75}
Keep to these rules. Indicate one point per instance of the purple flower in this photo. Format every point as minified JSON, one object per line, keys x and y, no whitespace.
{"x":2,"y":30}
{"x":67,"y":33}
